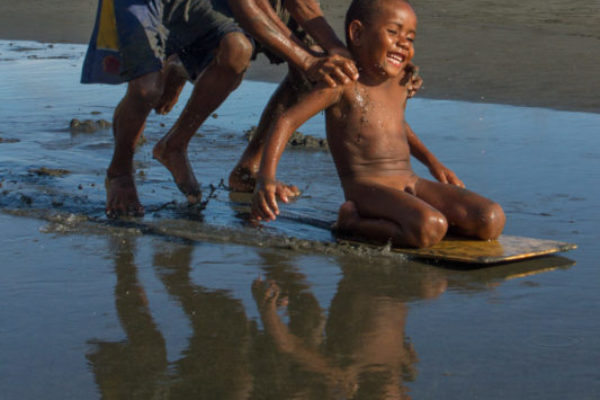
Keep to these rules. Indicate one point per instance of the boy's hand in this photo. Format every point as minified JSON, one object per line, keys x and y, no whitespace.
{"x":332,"y":69}
{"x":445,"y":175}
{"x":264,"y":201}
{"x":415,"y":82}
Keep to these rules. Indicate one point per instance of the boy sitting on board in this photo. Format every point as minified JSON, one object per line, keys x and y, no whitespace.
{"x":371,"y":144}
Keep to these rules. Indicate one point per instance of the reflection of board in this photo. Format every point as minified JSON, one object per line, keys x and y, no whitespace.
{"x":505,"y":249}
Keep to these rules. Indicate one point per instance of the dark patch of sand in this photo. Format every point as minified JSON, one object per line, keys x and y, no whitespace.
{"x":88,"y":125}
{"x":297,"y":141}
{"x":55,"y":172}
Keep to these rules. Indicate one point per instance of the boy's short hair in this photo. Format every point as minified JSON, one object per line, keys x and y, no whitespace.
{"x":362,"y":10}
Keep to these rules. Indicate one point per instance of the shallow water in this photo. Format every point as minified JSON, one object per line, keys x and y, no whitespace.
{"x":175,"y":305}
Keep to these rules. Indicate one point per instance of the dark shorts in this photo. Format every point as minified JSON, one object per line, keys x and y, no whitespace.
{"x":151,"y":30}
{"x":132,"y":38}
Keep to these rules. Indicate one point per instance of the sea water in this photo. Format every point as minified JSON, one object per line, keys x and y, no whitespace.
{"x":195,"y":302}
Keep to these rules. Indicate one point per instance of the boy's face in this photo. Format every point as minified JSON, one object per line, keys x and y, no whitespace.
{"x":386,"y":41}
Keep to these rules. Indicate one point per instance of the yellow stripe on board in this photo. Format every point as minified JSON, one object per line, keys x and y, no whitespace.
{"x":107,"y":30}
{"x":506,"y":248}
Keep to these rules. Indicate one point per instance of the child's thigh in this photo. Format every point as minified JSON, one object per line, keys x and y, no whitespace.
{"x":457,"y":204}
{"x":377,"y":201}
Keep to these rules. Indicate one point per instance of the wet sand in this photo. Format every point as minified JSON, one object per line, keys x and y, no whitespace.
{"x":536,"y":52}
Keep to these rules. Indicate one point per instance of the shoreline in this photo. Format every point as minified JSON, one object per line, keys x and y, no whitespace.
{"x":525,"y":53}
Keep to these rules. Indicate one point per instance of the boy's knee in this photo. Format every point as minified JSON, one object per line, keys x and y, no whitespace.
{"x":146,"y":89}
{"x":492,"y":220}
{"x":429,"y":228}
{"x":235,"y":52}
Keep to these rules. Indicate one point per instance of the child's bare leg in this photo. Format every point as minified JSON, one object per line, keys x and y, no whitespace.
{"x":128,"y":123}
{"x":381,"y":213}
{"x":378,"y":230}
{"x":243,"y":176}
{"x":175,"y":76}
{"x":468,"y":213}
{"x":211,"y":88}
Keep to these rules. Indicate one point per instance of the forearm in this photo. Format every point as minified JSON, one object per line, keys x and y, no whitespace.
{"x":418,"y":148}
{"x":260,"y":24}
{"x":290,"y":344}
{"x":309,"y":15}
{"x":318,"y":99}
{"x":266,"y":7}
{"x":276,"y":142}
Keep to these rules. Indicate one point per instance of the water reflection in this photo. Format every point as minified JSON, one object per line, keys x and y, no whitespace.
{"x":215,"y":363}
{"x":355,"y":348}
{"x":360,"y":350}
{"x":136,"y":367}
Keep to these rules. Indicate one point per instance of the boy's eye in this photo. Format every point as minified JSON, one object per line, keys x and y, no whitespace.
{"x":392,"y":31}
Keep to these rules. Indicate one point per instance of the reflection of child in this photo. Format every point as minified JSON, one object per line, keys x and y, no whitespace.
{"x":361,"y":350}
{"x":371,"y":144}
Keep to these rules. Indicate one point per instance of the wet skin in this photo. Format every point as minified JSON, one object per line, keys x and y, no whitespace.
{"x":143,"y":95}
{"x":371,"y":144}
{"x":160,"y":90}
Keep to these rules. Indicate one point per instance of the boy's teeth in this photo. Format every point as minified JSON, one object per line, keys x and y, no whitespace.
{"x":396,"y":57}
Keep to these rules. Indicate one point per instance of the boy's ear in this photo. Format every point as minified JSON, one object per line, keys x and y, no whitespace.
{"x":355,"y":32}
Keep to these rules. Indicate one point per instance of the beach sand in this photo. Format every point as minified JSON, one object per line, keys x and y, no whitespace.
{"x":535,"y":52}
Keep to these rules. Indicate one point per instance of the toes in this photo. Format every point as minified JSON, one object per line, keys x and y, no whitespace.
{"x":135,"y":210}
{"x":194,"y":198}
{"x":192,"y":194}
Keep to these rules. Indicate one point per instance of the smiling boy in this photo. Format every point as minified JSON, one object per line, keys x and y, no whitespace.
{"x":371,"y":144}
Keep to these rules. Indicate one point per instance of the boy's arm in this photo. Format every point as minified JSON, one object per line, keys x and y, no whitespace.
{"x":264,"y":201}
{"x":259,"y":19}
{"x":421,"y":153}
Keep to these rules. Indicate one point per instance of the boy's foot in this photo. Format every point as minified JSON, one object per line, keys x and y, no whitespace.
{"x":176,"y":161}
{"x":175,"y":78}
{"x":122,"y":197}
{"x":348,"y":217}
{"x":242,"y":179}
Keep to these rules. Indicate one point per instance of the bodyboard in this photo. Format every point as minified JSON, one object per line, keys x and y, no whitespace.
{"x":505,"y":249}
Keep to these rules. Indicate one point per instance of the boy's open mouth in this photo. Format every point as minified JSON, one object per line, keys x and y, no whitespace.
{"x":396,"y":58}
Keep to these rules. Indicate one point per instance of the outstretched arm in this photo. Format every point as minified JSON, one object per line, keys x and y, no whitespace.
{"x":252,"y":15}
{"x":421,"y":153}
{"x":264,"y":203}
{"x":266,"y":296}
{"x":259,"y":19}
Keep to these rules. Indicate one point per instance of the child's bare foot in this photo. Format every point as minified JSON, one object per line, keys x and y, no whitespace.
{"x":175,"y":78}
{"x":176,"y":161}
{"x":243,"y":179}
{"x":122,"y":197}
{"x":347,"y":217}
